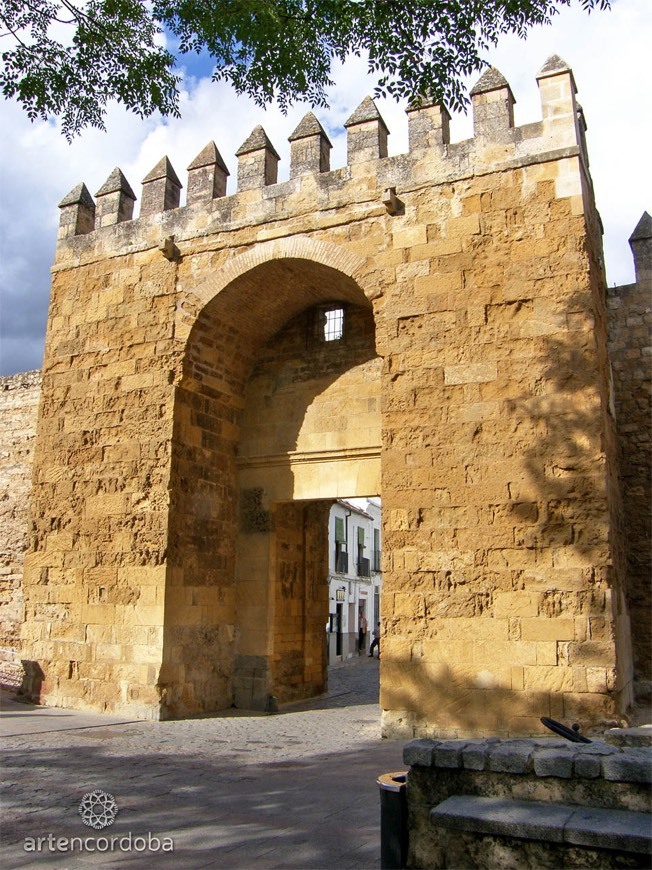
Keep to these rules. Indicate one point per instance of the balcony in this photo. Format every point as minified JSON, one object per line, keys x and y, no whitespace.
{"x":363,"y":568}
{"x":341,"y":563}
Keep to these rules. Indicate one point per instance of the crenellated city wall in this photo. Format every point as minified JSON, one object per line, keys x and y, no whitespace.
{"x":168,"y":571}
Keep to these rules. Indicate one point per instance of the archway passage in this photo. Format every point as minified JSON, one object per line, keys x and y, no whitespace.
{"x":277,"y":414}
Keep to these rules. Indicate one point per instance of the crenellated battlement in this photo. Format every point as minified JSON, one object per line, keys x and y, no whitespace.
{"x":496,"y":144}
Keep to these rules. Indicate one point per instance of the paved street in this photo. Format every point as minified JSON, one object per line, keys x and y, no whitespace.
{"x":297,"y":789}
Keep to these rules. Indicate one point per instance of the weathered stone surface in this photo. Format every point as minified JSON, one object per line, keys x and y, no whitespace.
{"x":19,"y":396}
{"x":612,"y":829}
{"x":525,"y":819}
{"x":633,"y":765}
{"x":554,"y":762}
{"x":540,"y":816}
{"x":420,"y":752}
{"x":207,"y":175}
{"x":640,"y":736}
{"x":595,"y":827}
{"x":630,"y":349}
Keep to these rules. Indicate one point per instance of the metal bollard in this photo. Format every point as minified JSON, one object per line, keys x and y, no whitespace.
{"x":393,"y":820}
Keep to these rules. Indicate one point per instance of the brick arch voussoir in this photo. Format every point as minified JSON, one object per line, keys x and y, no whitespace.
{"x":362,"y":270}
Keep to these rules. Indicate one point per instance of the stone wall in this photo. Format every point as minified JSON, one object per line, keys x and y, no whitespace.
{"x":544,"y":774}
{"x":300,"y":610}
{"x":630,"y":351}
{"x":481,"y":418}
{"x":19,"y":397}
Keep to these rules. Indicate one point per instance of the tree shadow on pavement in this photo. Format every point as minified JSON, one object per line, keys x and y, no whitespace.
{"x":311,"y":812}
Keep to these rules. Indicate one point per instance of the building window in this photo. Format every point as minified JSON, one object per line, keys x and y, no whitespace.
{"x":363,"y":564}
{"x":341,"y":557}
{"x":377,"y":550}
{"x":328,"y":323}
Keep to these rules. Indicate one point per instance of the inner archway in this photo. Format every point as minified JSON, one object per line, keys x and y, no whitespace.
{"x":274,"y":417}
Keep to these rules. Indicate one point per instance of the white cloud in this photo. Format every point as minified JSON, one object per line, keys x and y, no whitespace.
{"x":608,"y":52}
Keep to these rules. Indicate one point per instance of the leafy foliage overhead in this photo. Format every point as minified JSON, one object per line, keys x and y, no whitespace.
{"x":69,"y":58}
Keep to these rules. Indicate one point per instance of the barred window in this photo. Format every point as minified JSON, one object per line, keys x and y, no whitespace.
{"x":328,"y":323}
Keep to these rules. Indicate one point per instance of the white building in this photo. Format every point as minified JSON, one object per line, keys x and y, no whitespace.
{"x":354,"y":575}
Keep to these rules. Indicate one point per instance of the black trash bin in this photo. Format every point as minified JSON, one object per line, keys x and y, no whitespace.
{"x":393,"y":820}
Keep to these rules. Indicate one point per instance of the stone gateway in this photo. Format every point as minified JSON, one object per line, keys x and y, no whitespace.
{"x":430,"y":328}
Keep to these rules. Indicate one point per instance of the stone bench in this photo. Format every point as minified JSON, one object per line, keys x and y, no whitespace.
{"x":594,"y":827}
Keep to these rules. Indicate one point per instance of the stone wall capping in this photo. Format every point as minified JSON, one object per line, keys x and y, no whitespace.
{"x":366,"y":111}
{"x":555,"y":66}
{"x":449,"y":753}
{"x":79,"y":195}
{"x":630,"y":765}
{"x":490,"y":80}
{"x":116,"y":183}
{"x":366,"y":133}
{"x":209,"y":156}
{"x":77,"y":216}
{"x":257,"y":161}
{"x":308,"y":126}
{"x":115,"y":200}
{"x":207,"y":175}
{"x":543,"y":757}
{"x":640,"y":242}
{"x":428,"y":132}
{"x":637,"y":736}
{"x":310,"y":147}
{"x":256,"y":141}
{"x":643,"y":229}
{"x":161,"y":189}
{"x":420,"y":752}
{"x":554,"y":762}
{"x":163,"y":169}
{"x":493,"y":106}
{"x":511,"y":756}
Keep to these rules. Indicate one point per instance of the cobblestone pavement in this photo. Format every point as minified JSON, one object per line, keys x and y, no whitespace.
{"x":297,"y":789}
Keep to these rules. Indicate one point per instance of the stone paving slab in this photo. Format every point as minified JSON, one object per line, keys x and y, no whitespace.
{"x":17,"y":717}
{"x":293,"y":790}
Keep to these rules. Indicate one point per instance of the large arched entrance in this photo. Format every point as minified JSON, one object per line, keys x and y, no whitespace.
{"x":277,"y":413}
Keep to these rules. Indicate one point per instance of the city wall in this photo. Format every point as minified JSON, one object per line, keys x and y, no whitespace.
{"x":475,"y":352}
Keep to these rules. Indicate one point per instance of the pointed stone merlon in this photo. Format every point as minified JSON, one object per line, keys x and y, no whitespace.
{"x":640,"y":242}
{"x":207,"y":176}
{"x":114,"y":201}
{"x":366,"y":134}
{"x":557,"y":90}
{"x":161,"y":189}
{"x":428,"y":124}
{"x":493,"y":105}
{"x":310,"y":148}
{"x":77,"y":215}
{"x":257,"y":161}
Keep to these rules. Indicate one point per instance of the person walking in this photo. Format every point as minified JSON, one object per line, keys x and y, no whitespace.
{"x":362,"y":632}
{"x":375,"y":642}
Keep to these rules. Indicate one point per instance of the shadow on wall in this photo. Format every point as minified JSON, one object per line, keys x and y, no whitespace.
{"x":33,"y":677}
{"x":485,"y":704}
{"x":536,"y":625}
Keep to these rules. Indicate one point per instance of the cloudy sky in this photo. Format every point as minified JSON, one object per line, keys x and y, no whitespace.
{"x":609,"y":54}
